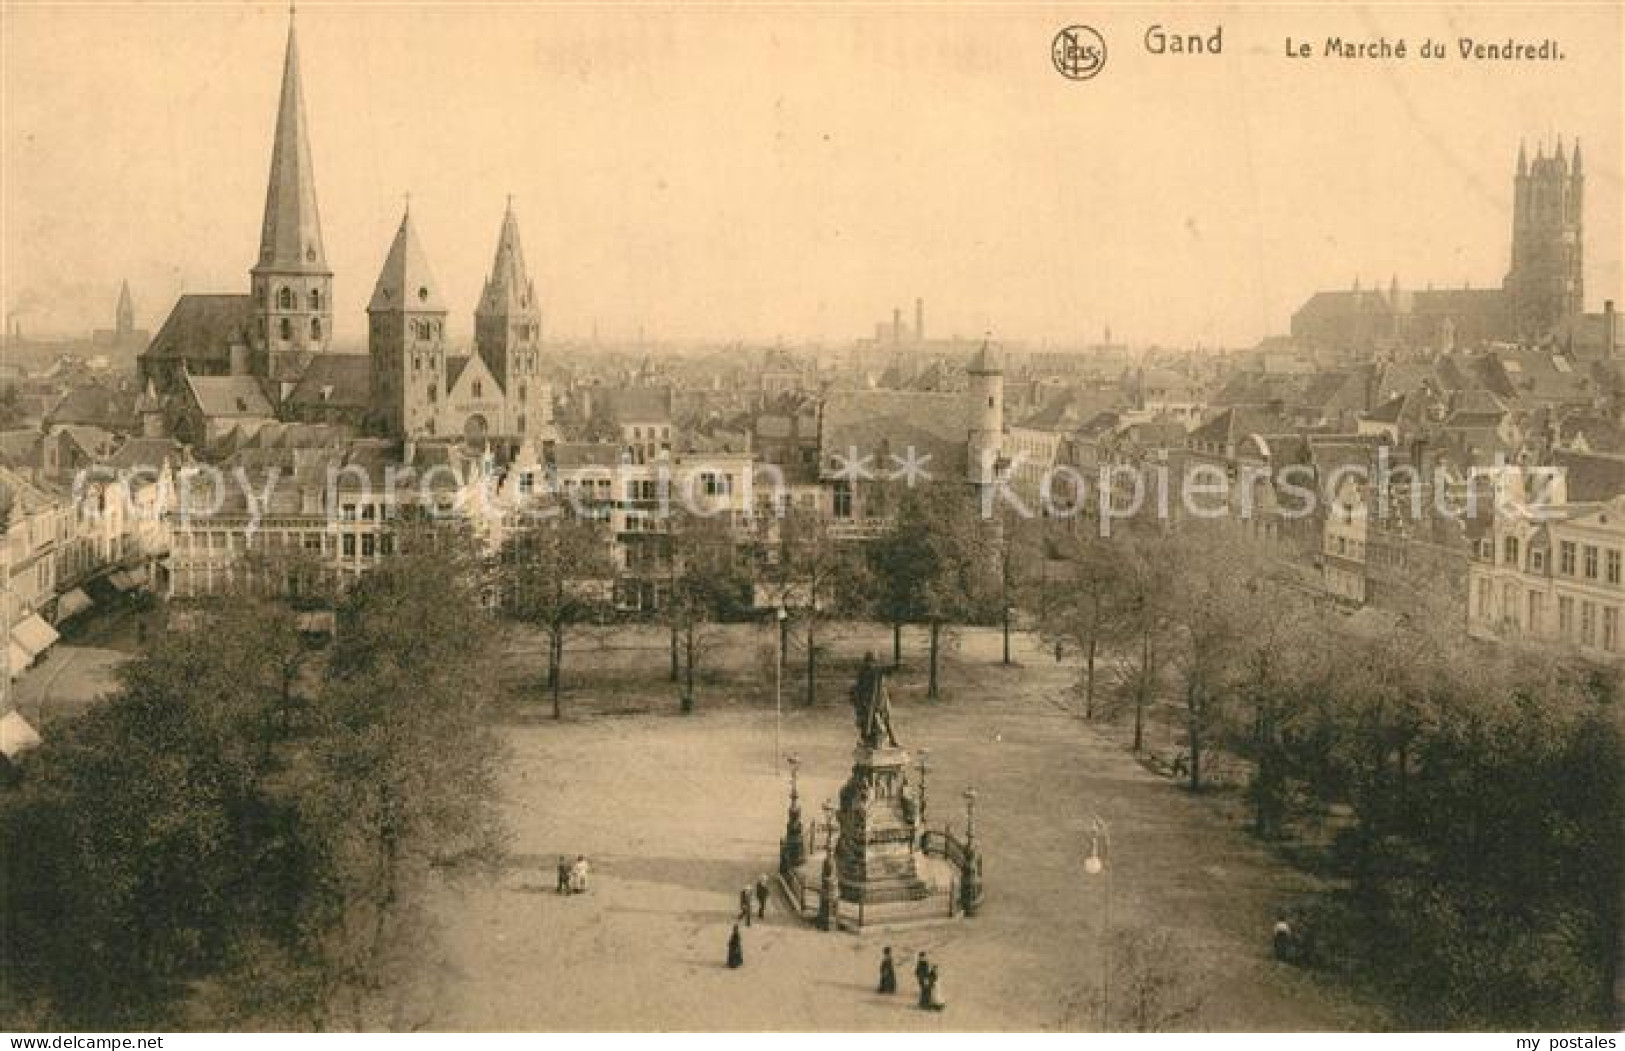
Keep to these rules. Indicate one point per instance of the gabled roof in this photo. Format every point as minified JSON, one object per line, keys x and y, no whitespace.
{"x":203,"y":328}
{"x":1233,"y":424}
{"x":341,"y":380}
{"x":226,"y":397}
{"x":641,"y":404}
{"x":1591,"y":476}
{"x":405,"y":282}
{"x":882,"y":423}
{"x":95,"y":406}
{"x":145,"y":454}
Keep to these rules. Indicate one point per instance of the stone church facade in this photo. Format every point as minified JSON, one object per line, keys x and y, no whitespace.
{"x":409,"y":385}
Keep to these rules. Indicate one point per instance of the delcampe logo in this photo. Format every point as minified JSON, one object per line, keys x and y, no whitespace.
{"x":1078,"y":52}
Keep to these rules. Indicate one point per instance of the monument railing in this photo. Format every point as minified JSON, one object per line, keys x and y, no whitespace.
{"x":942,"y":844}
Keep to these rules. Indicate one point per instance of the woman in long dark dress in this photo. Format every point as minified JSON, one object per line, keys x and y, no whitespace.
{"x":888,"y":972}
{"x":736,"y":949}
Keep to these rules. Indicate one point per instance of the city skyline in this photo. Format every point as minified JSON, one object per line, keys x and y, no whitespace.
{"x":816,"y":211}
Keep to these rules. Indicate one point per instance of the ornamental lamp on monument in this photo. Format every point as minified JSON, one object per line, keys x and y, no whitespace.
{"x":970,"y":876}
{"x":793,"y":850}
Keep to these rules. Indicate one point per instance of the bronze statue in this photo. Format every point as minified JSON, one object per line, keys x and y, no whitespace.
{"x":871,"y":705}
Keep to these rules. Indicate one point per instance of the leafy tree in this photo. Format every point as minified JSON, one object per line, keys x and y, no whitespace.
{"x":553,"y":574}
{"x":707,"y":582}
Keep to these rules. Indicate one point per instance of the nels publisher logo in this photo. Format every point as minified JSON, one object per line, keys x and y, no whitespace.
{"x":1078,"y":52}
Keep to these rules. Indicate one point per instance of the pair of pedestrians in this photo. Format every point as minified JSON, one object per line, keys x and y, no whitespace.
{"x":760,"y":892}
{"x":926,"y":976}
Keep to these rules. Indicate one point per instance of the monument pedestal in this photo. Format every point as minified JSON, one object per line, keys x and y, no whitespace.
{"x":879,"y":830}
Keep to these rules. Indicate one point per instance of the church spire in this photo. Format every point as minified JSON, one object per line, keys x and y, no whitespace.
{"x":291,"y":239}
{"x":124,"y":315}
{"x":508,"y":289}
{"x":1523,"y":159}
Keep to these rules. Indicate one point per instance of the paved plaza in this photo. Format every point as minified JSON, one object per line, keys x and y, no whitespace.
{"x":677,"y":814}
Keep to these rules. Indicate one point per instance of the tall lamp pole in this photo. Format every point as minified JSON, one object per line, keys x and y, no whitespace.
{"x":778,"y":689}
{"x":1100,"y":862}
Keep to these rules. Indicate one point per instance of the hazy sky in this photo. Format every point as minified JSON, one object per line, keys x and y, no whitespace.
{"x":796,"y":171}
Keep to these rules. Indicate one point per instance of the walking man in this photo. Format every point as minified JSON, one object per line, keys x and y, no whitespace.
{"x":744,"y":906}
{"x":761,"y":897}
{"x":922,"y":975}
{"x":564,"y":875}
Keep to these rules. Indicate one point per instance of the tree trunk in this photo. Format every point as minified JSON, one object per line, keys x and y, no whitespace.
{"x":1089,"y":677}
{"x":1141,"y":692}
{"x":897,"y":644}
{"x":936,"y":649}
{"x":555,"y":674}
{"x":1195,"y":734}
{"x":1006,"y":633}
{"x":688,"y":669}
{"x":672,"y":675}
{"x":812,"y":661}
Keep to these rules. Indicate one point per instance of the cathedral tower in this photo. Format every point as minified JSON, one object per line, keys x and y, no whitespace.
{"x":406,"y":321}
{"x":1545,"y":286}
{"x":508,"y":332}
{"x":292,"y":287}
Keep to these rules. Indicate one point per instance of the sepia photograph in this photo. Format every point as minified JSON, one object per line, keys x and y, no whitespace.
{"x":896,"y":518}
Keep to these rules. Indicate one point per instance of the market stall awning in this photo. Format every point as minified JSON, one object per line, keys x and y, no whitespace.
{"x":16,"y":735}
{"x":34,"y":635}
{"x":18,"y":659}
{"x":72,"y":604}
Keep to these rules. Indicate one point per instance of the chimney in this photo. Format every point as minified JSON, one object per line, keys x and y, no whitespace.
{"x":919,"y":319}
{"x":896,"y":325}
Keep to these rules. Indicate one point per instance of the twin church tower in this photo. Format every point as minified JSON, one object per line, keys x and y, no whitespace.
{"x":415,"y":388}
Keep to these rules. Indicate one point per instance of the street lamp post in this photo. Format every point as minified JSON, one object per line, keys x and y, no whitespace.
{"x":829,"y":904}
{"x":1100,"y":862}
{"x":970,"y":875}
{"x":778,"y":689}
{"x":925,"y":755}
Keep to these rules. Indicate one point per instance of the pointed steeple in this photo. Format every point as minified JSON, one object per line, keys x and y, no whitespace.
{"x":508,"y":290}
{"x":1576,"y":165}
{"x":291,"y":239}
{"x":124,"y":315}
{"x":1523,"y":159}
{"x":406,"y":282}
{"x":1562,"y":162}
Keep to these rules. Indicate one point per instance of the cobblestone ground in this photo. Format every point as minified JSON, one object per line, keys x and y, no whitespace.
{"x":677,"y":814}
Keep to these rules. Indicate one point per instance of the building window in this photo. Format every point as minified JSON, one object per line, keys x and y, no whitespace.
{"x":1565,"y":558}
{"x":1613,"y":565}
{"x":1537,"y":609}
{"x":369,"y":546}
{"x":284,"y":298}
{"x":315,"y":328}
{"x":1610,"y":628}
{"x":1537,"y":561}
{"x":1565,"y":617}
{"x":479,"y":391}
{"x":1591,"y":562}
{"x":315,"y":299}
{"x":348,"y":545}
{"x":386,"y":544}
{"x":843,"y":500}
{"x":286,"y":329}
{"x":1510,"y":545}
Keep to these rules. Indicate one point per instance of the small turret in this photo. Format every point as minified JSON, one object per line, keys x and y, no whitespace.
{"x":986,"y":391}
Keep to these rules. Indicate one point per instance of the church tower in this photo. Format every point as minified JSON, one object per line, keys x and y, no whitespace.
{"x":986,"y":393}
{"x":291,"y":286}
{"x":508,"y":332}
{"x":1545,"y":286}
{"x":124,"y":316}
{"x":406,"y":321}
